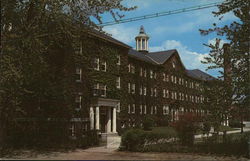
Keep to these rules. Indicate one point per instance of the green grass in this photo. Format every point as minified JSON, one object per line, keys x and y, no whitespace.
{"x":165,"y":130}
{"x":225,"y":128}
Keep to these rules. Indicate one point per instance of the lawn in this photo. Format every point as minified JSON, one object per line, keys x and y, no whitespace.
{"x":226,"y":128}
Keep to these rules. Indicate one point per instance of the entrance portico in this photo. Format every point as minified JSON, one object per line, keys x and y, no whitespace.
{"x":103,"y":115}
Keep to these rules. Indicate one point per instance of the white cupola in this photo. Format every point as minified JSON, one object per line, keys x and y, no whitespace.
{"x":142,"y":41}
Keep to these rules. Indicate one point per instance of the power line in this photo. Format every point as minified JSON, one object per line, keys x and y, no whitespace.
{"x":160,"y":14}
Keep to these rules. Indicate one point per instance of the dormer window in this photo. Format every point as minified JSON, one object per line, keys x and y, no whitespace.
{"x":173,"y":64}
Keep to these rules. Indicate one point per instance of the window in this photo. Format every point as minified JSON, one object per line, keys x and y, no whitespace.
{"x":129,"y":88}
{"x":133,"y":89}
{"x":95,"y":89}
{"x":151,"y":74}
{"x":129,"y":68}
{"x":175,"y":80}
{"x":179,"y":81}
{"x":129,"y":110}
{"x":164,"y":93}
{"x":167,"y":78}
{"x":155,"y":92}
{"x":172,"y":95}
{"x":103,"y":89}
{"x":164,"y":77}
{"x":132,"y":69}
{"x":173,"y":64}
{"x":140,"y":90}
{"x":175,"y":95}
{"x":152,"y":92}
{"x":133,"y":111}
{"x":78,"y":101}
{"x":96,"y":63}
{"x":172,"y":78}
{"x":145,"y":91}
{"x":152,"y":110}
{"x":118,"y":82}
{"x":155,"y":75}
{"x":145,"y":72}
{"x":155,"y":109}
{"x":165,"y":110}
{"x":103,"y":66}
{"x":118,"y":57}
{"x":186,"y":83}
{"x":140,"y":109}
{"x":79,"y":74}
{"x":145,"y":109}
{"x":167,"y":93}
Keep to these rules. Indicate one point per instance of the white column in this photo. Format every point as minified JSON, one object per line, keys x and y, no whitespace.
{"x":136,"y":44}
{"x":147,"y":44}
{"x":91,"y":116}
{"x":141,"y":44}
{"x":114,"y":120}
{"x":97,"y":127}
{"x":109,"y":121}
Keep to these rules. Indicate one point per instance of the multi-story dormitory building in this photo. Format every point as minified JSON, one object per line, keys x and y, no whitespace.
{"x":130,"y":84}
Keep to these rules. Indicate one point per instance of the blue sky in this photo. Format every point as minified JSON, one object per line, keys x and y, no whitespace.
{"x":180,"y":31}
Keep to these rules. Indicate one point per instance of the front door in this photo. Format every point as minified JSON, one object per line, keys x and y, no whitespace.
{"x":103,"y":119}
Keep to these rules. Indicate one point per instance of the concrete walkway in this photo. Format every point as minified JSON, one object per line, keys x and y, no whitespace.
{"x":221,"y":133}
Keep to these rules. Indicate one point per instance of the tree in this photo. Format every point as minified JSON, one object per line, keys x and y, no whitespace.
{"x":238,"y":91}
{"x":33,"y":34}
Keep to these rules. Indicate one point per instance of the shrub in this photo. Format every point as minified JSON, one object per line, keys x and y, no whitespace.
{"x":148,"y":123}
{"x":138,"y":140}
{"x":186,"y":127}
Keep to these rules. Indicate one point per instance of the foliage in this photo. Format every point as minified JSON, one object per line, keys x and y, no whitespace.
{"x":168,"y":130}
{"x":38,"y":44}
{"x":235,"y":58}
{"x":186,"y":127}
{"x":137,"y":139}
{"x":148,"y":123}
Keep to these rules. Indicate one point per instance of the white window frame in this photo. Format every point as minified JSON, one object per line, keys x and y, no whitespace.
{"x":145,"y":91}
{"x":118,"y":82}
{"x":133,"y":110}
{"x":164,"y":77}
{"x":104,"y":89}
{"x":164,"y":93}
{"x":105,"y":66}
{"x":155,"y":109}
{"x":145,"y":109}
{"x":151,"y":74}
{"x":129,"y":109}
{"x":133,"y":88}
{"x":78,"y":99}
{"x":118,"y":60}
{"x":140,"y":109}
{"x":155,"y":92}
{"x":97,"y":61}
{"x":129,"y":88}
{"x":140,"y":90}
{"x":79,"y":73}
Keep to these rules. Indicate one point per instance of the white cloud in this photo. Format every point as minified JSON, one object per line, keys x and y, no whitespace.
{"x":191,"y":59}
{"x":121,"y":33}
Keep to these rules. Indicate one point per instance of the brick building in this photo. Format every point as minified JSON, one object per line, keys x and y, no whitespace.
{"x":130,"y":84}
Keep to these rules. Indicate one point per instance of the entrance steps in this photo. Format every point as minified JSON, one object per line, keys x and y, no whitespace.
{"x":111,"y":140}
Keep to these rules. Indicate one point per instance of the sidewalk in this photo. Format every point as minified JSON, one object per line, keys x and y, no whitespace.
{"x":221,"y":133}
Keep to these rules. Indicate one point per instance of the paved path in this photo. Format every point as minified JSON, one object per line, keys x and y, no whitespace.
{"x":221,"y":133}
{"x":102,"y":153}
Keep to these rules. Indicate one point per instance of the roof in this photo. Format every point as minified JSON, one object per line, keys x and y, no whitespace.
{"x":104,"y":36}
{"x":140,"y":56}
{"x":161,"y":56}
{"x":198,"y":74}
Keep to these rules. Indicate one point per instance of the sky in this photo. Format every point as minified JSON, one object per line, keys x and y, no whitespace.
{"x":179,"y":31}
